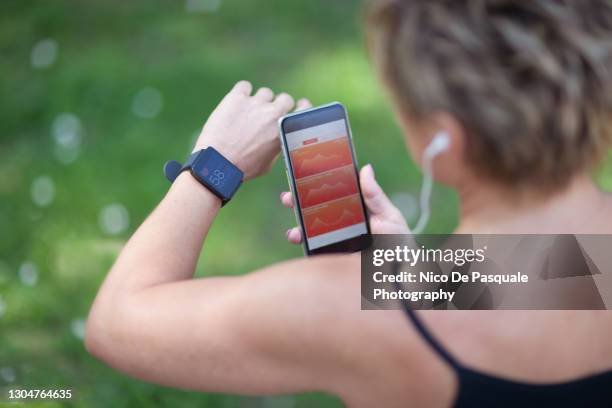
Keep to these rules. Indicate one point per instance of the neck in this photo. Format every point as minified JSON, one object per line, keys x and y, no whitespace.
{"x":578,"y":208}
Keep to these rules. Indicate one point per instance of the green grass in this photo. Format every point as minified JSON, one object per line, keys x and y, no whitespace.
{"x":106,"y":54}
{"x":108,"y":51}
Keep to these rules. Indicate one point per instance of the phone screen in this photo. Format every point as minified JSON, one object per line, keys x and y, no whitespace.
{"x":321,"y":162}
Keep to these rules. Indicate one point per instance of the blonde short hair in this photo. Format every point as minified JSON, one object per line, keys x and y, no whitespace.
{"x":530,"y":81}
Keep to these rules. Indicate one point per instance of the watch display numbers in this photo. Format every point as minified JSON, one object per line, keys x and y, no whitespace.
{"x":216,"y":178}
{"x":217,"y":173}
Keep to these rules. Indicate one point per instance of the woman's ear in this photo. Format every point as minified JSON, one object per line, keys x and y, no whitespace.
{"x":450,"y":166}
{"x":446,"y":137}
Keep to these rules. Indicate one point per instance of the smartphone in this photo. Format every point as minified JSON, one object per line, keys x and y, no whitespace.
{"x":322,"y":171}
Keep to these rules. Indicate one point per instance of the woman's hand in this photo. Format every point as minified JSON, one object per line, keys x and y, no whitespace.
{"x":385,"y":218}
{"x":243,"y":127}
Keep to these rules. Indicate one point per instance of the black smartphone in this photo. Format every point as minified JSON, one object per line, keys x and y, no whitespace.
{"x":322,"y":171}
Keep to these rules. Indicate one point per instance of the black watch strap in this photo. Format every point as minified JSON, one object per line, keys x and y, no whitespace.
{"x":173,"y":168}
{"x":211,"y":169}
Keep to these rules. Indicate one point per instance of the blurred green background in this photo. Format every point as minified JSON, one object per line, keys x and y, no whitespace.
{"x":95,"y":96}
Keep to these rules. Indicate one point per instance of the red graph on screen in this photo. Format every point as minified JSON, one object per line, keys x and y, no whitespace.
{"x":327,"y":186}
{"x":321,"y":157}
{"x":333,"y":215}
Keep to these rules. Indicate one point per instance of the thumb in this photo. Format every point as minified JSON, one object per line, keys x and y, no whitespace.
{"x":375,"y":198}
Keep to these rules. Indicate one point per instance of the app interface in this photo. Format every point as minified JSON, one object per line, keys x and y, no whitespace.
{"x":326,"y":183}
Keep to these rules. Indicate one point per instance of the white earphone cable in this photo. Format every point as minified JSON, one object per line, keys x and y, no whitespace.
{"x":425,"y":195}
{"x":439,"y":143}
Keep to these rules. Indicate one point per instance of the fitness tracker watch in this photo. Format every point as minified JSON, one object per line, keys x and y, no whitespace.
{"x":212,"y":170}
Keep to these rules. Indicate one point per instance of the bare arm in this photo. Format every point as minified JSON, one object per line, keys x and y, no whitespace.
{"x":271,"y":331}
{"x":152,"y":320}
{"x":241,"y":334}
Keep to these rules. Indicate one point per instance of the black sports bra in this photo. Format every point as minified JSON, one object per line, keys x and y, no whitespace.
{"x":482,"y":390}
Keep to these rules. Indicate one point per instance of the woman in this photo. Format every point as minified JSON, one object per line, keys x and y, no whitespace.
{"x":523,"y":90}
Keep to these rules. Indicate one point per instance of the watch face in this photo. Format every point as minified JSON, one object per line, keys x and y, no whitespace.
{"x":218,"y":173}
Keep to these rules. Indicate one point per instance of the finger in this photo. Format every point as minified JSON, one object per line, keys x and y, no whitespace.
{"x":302,"y":104}
{"x":284,"y":102}
{"x":375,"y":198}
{"x":242,"y":87}
{"x":294,"y":235}
{"x":287,"y":199}
{"x":264,"y":94}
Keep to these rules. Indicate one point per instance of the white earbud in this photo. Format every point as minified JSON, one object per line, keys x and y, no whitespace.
{"x":439,"y":143}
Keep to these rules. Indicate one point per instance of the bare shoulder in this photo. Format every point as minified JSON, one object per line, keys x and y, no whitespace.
{"x":526,"y":345}
{"x":369,"y":355}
